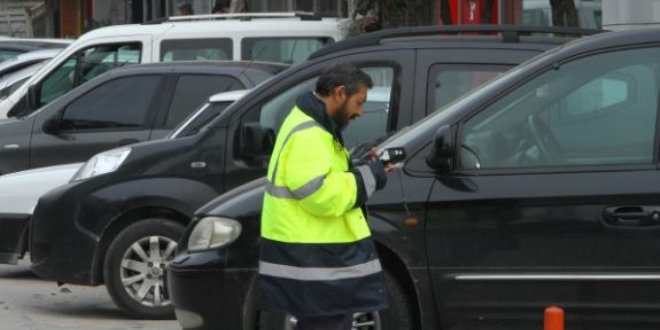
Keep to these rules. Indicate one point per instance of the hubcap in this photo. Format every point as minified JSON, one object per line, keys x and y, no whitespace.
{"x":143,"y":267}
{"x":361,"y":321}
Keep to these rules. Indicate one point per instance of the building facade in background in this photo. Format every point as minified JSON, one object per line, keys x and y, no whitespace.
{"x":71,"y":18}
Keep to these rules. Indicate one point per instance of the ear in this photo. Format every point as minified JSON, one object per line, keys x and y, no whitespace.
{"x":339,"y":93}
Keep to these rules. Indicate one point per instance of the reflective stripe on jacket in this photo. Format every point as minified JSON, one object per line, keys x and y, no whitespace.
{"x":317,"y":256}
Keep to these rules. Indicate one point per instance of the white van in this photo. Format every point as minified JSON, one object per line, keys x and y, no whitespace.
{"x":275,"y":37}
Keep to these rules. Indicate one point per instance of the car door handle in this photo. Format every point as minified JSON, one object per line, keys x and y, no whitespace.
{"x":633,"y":215}
{"x":124,"y":142}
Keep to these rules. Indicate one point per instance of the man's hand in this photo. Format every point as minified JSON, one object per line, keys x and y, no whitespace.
{"x":373,"y":157}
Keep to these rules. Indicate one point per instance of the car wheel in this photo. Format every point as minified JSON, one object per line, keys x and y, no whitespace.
{"x":135,"y":265}
{"x":397,"y":317}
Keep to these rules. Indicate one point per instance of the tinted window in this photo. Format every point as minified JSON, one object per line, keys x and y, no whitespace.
{"x":120,"y":104}
{"x":283,"y":50}
{"x":85,"y":65}
{"x":597,"y":110}
{"x":192,"y":90}
{"x":373,"y":123}
{"x":449,"y":82}
{"x":196,"y":50}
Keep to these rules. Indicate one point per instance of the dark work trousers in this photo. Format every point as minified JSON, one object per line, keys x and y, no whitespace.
{"x":338,"y":322}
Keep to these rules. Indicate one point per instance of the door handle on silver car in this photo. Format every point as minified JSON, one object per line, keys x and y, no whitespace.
{"x":633,"y":215}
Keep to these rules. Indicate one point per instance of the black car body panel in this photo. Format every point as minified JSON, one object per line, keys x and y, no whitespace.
{"x":13,"y":247}
{"x":406,"y":70}
{"x":484,"y":236}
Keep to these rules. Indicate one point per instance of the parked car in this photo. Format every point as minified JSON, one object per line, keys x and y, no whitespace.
{"x":273,"y":37}
{"x":12,"y":81}
{"x":26,"y":59}
{"x":20,"y":191}
{"x":152,"y":190}
{"x":12,"y":47}
{"x":124,"y":106}
{"x":540,"y":188}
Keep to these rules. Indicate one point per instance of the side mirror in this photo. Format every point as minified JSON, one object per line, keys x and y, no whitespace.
{"x":52,"y":125}
{"x":255,"y":141}
{"x":34,"y":97}
{"x":442,"y":151}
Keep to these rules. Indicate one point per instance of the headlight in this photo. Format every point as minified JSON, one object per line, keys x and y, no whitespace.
{"x":213,"y":232}
{"x":102,"y":163}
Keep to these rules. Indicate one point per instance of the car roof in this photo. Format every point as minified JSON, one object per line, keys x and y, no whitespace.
{"x":509,"y":36}
{"x":36,"y":42}
{"x":202,"y":25}
{"x":32,"y":56}
{"x":201,"y":66}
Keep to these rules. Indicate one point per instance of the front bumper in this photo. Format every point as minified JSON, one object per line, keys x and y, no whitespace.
{"x":60,"y":248}
{"x":13,"y":237}
{"x":209,"y":295}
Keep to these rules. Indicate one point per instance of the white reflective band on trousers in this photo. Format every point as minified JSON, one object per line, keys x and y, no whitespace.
{"x":318,"y":273}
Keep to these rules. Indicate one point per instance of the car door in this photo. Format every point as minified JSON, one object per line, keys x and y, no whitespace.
{"x":558,"y":201}
{"x":119,"y":112}
{"x":388,"y":106}
{"x":191,"y":90}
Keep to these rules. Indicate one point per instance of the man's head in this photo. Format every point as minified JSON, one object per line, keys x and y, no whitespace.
{"x":343,"y":88}
{"x":220,"y":7}
{"x":185,"y":8}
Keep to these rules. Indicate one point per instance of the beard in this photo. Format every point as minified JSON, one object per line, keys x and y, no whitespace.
{"x":342,"y":116}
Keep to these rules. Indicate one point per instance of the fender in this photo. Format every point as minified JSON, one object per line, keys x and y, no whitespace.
{"x":102,"y":207}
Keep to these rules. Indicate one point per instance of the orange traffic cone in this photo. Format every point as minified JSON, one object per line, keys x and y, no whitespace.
{"x":553,"y":318}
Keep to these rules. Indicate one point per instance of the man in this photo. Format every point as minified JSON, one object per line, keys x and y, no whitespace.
{"x":220,"y":7}
{"x":185,"y":8}
{"x":317,"y":259}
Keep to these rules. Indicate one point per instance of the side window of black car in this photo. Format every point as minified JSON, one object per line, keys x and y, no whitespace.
{"x":193,"y":90}
{"x":373,"y":123}
{"x":119,"y":104}
{"x":596,"y":110}
{"x":447,"y":82}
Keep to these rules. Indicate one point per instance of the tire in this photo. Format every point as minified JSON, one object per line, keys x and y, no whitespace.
{"x":397,"y":317}
{"x":145,"y":296}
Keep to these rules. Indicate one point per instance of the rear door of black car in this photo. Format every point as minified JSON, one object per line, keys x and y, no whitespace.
{"x":119,"y":112}
{"x":559,"y":202}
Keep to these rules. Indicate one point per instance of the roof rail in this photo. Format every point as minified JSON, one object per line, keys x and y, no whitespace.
{"x":509,"y":33}
{"x":304,"y":16}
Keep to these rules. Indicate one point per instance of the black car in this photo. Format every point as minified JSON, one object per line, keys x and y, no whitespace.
{"x":124,"y":106}
{"x":540,"y":188}
{"x":153,"y":192}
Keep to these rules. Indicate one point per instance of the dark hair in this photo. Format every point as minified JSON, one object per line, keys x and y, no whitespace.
{"x":342,"y":74}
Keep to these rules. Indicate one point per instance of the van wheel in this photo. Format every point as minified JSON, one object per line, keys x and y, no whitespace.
{"x":135,"y":264}
{"x":397,"y":317}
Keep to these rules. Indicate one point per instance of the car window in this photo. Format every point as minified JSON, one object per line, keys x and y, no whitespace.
{"x":192,"y":90}
{"x":284,"y":50}
{"x":7,"y":54}
{"x":200,"y":119}
{"x":449,"y":82}
{"x":119,"y":104}
{"x":85,"y":65}
{"x":596,"y":110}
{"x":196,"y":50}
{"x":371,"y":125}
